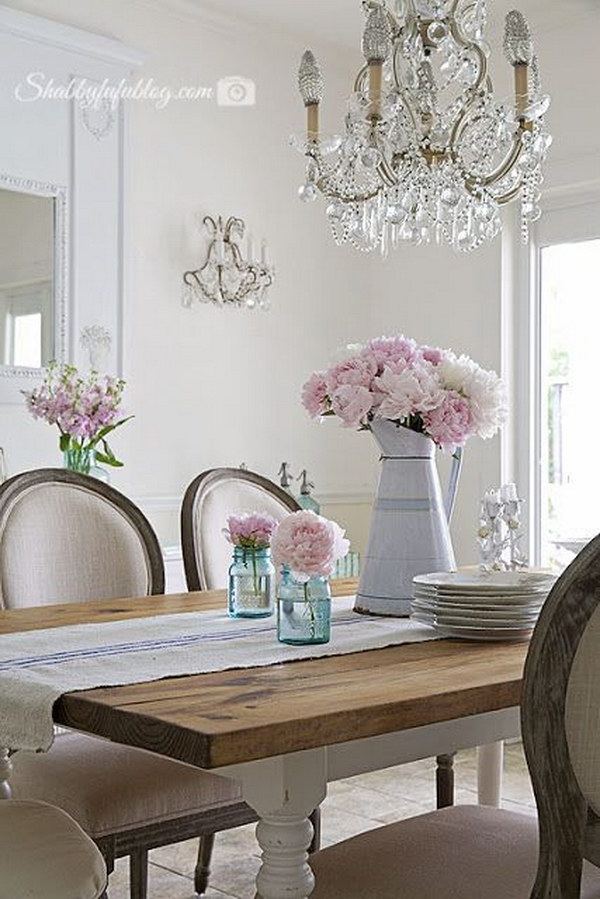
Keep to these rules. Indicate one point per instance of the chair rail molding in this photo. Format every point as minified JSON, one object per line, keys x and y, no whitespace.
{"x":79,"y":148}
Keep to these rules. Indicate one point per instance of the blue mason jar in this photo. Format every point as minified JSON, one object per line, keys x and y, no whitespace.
{"x":303,"y":610}
{"x":251,"y":591}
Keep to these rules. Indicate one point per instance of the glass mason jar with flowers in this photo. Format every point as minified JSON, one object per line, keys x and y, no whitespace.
{"x":85,"y":410}
{"x":251,"y":590}
{"x":306,"y":547}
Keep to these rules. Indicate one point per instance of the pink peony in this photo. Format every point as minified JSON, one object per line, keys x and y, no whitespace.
{"x":314,"y":395}
{"x":432,"y":354}
{"x":430,"y":390}
{"x":252,"y":530}
{"x":308,"y":545}
{"x":386,"y":350}
{"x":358,"y":371}
{"x":451,"y":423}
{"x":352,"y":404}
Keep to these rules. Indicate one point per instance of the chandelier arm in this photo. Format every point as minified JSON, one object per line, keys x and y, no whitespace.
{"x":323,"y":184}
{"x":507,"y":166}
{"x":510,"y":195}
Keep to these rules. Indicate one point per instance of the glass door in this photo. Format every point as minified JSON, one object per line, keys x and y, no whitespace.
{"x":569,"y":398}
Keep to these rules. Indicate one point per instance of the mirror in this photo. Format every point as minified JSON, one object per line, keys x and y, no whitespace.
{"x":27,"y":277}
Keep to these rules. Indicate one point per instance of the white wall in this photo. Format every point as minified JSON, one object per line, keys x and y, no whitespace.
{"x":212,"y":387}
{"x":209,"y":386}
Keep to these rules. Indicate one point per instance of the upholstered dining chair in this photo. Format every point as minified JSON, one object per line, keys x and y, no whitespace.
{"x":207,"y":503}
{"x":45,"y":855}
{"x":469,"y":852}
{"x":66,"y":537}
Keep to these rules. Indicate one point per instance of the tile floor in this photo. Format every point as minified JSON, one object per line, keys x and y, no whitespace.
{"x":353,"y":805}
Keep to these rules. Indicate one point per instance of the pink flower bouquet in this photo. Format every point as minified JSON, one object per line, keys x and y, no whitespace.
{"x":434,"y":392}
{"x":250,"y":531}
{"x":308,"y":545}
{"x":85,"y":409}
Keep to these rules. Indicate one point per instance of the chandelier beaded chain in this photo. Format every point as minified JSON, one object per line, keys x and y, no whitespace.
{"x":428,"y":154}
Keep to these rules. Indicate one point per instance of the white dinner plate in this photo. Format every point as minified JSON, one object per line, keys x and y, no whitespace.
{"x":482,"y":614}
{"x":484,"y":582}
{"x":495,"y":599}
{"x":472,"y":621}
{"x":462,"y":632}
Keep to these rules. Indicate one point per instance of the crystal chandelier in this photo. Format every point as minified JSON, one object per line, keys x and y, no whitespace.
{"x":428,"y":153}
{"x":226,"y":278}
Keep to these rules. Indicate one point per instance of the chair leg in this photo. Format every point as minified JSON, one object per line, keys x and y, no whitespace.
{"x":444,"y":780}
{"x":202,"y":871}
{"x":138,"y":874}
{"x":315,"y":820}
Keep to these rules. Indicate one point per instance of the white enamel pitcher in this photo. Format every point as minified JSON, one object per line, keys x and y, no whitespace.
{"x":410,"y":531}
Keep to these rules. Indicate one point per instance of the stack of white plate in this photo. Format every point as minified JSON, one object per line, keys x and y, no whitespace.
{"x":477,"y":605}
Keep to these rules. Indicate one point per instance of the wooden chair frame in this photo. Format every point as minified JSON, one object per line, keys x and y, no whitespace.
{"x":138,"y":841}
{"x":569,"y":832}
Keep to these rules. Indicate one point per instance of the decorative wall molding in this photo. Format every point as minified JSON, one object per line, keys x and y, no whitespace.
{"x":65,"y":37}
{"x":99,"y":122}
{"x":152,"y":504}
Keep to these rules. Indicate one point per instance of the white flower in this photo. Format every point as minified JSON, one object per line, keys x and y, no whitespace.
{"x":400,"y":392}
{"x":484,"y":390}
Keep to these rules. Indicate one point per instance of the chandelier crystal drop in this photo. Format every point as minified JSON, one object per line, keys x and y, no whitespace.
{"x":428,"y":153}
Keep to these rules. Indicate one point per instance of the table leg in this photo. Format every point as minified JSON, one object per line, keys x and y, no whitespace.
{"x":444,"y":780}
{"x":490,"y":760}
{"x":5,"y":772}
{"x":284,"y":791}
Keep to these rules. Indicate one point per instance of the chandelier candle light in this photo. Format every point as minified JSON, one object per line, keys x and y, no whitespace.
{"x":428,"y":152}
{"x":226,"y":278}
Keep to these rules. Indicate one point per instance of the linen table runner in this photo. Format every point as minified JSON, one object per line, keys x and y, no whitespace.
{"x":37,"y":667}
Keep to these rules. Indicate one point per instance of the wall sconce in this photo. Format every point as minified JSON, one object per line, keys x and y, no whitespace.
{"x":226,"y":278}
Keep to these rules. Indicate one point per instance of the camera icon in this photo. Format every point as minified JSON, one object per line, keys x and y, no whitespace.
{"x":236,"y":91}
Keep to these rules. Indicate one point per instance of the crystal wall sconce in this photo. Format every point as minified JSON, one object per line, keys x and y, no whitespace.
{"x":227,"y":278}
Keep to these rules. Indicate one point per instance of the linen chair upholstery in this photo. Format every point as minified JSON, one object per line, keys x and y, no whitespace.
{"x":208,"y":502}
{"x":61,"y":542}
{"x":472,"y":852}
{"x":64,"y":537}
{"x":44,"y":854}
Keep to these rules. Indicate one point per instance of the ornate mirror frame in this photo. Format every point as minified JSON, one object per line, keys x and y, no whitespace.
{"x":60,"y":275}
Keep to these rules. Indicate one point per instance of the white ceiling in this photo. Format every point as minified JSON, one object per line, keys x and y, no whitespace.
{"x":340,"y":21}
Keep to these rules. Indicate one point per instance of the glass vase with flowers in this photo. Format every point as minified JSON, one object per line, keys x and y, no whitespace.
{"x":86,"y":409}
{"x":306,"y":547}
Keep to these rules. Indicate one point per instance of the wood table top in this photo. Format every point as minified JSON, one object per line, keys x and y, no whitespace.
{"x":228,"y":717}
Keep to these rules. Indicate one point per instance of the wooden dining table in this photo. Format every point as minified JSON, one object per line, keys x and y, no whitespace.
{"x":283,"y":731}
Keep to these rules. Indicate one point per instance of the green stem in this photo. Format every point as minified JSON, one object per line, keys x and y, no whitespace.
{"x":311,"y":609}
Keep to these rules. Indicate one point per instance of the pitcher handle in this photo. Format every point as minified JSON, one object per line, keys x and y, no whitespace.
{"x":457,"y":459}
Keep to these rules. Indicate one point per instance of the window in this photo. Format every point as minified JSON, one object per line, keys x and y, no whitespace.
{"x":569,"y":397}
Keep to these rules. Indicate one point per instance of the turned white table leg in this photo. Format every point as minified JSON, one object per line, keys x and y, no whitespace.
{"x":284,"y":791}
{"x":490,"y":762}
{"x":5,"y":772}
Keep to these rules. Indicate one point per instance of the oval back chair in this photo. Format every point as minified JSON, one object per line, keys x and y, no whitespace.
{"x":45,"y":853}
{"x":472,"y":851}
{"x":209,"y":500}
{"x":67,"y":537}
